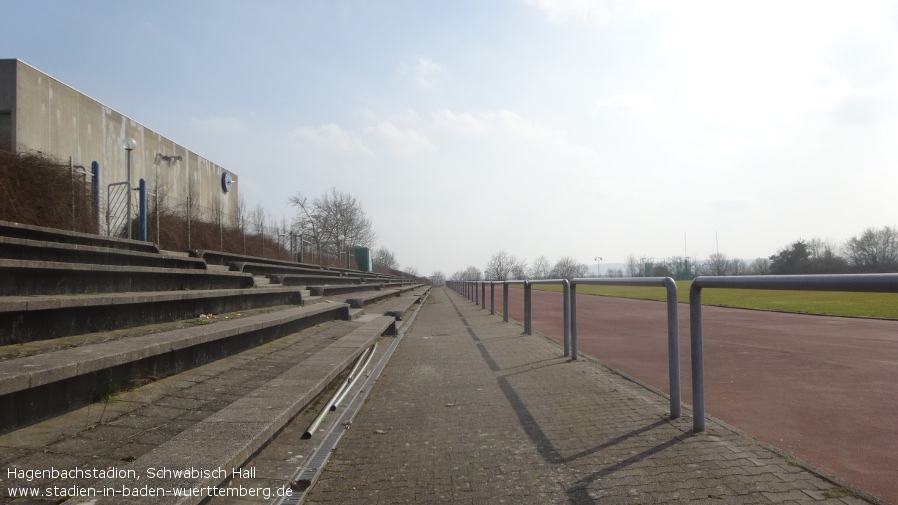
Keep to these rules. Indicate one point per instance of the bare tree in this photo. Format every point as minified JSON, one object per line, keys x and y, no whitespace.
{"x":333,"y":221}
{"x":438,"y":278}
{"x":502,"y":265}
{"x":385,"y":258}
{"x":760,"y":266}
{"x":738,"y":267}
{"x":471,"y":273}
{"x":519,"y":269}
{"x":257,"y":220}
{"x":568,"y":268}
{"x":679,"y":267}
{"x":540,"y":268}
{"x":874,"y":250}
{"x":634,"y":267}
{"x":615,"y":272}
{"x":717,"y":264}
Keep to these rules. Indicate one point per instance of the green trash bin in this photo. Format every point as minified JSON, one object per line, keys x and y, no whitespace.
{"x":363,"y":258}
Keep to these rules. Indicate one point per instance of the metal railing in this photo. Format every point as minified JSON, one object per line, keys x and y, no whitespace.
{"x":476,"y":292}
{"x":673,"y":326}
{"x":869,"y":283}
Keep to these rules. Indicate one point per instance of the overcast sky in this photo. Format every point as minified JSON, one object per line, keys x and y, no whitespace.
{"x":540,"y":127}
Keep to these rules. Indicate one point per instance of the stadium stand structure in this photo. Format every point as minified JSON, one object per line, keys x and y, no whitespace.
{"x":163,"y":355}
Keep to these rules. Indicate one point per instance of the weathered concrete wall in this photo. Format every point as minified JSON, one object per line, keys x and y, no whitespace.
{"x":55,"y":119}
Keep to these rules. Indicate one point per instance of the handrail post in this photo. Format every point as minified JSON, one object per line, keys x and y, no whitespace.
{"x":673,"y":347}
{"x":695,"y":343}
{"x":528,"y":302}
{"x":574,"y":321}
{"x":492,"y":298}
{"x":483,"y":295}
{"x":476,"y":293}
{"x":505,"y":301}
{"x":566,"y":284}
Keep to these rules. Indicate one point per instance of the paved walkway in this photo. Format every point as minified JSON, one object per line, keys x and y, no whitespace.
{"x":471,"y":411}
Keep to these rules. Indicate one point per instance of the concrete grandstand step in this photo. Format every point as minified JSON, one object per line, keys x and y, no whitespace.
{"x":400,"y":307}
{"x":223,"y":258}
{"x":223,"y":436}
{"x":361,"y":299}
{"x":229,"y":437}
{"x":332,"y":289}
{"x":265,"y":269}
{"x":155,"y":420}
{"x":35,"y":387}
{"x":18,"y":230}
{"x":36,"y":250}
{"x":23,"y":277}
{"x":30,"y":318}
{"x":311,"y":279}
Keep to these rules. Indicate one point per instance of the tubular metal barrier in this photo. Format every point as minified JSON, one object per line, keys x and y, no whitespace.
{"x":673,"y":329}
{"x":566,"y":308}
{"x":869,"y":283}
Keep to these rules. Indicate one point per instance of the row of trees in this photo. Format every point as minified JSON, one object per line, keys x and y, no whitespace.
{"x":872,"y":251}
{"x":503,"y":266}
{"x":875,"y":250}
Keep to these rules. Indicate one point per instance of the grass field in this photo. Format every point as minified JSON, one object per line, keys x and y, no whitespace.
{"x":883,"y":305}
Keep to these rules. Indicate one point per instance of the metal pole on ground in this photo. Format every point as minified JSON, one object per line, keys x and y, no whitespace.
{"x":528,"y":305}
{"x":492,"y":298}
{"x":505,"y":302}
{"x":567,"y":316}
{"x":673,"y":348}
{"x":573,"y":321}
{"x":695,"y":343}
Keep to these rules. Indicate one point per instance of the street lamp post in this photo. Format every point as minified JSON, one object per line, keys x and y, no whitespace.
{"x":129,"y":146}
{"x":598,"y":266}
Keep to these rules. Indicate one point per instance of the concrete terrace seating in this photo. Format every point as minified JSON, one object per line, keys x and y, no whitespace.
{"x":256,"y":268}
{"x":332,"y":289}
{"x":360,"y":300}
{"x":245,"y":426}
{"x":306,"y":280}
{"x":34,"y":387}
{"x":24,"y":277}
{"x":114,"y":321}
{"x":225,"y":259}
{"x":24,"y":231}
{"x":268,"y":269}
{"x":266,"y":266}
{"x":31,"y":318}
{"x":35,"y":250}
{"x":403,"y":304}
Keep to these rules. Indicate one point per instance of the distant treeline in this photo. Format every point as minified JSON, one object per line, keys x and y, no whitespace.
{"x":873,"y":251}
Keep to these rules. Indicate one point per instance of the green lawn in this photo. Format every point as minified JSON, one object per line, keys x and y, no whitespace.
{"x":883,"y":305}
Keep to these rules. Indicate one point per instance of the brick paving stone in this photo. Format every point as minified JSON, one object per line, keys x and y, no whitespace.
{"x":471,"y":410}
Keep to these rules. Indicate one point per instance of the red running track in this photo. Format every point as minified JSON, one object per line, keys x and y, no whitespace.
{"x":824,"y":389}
